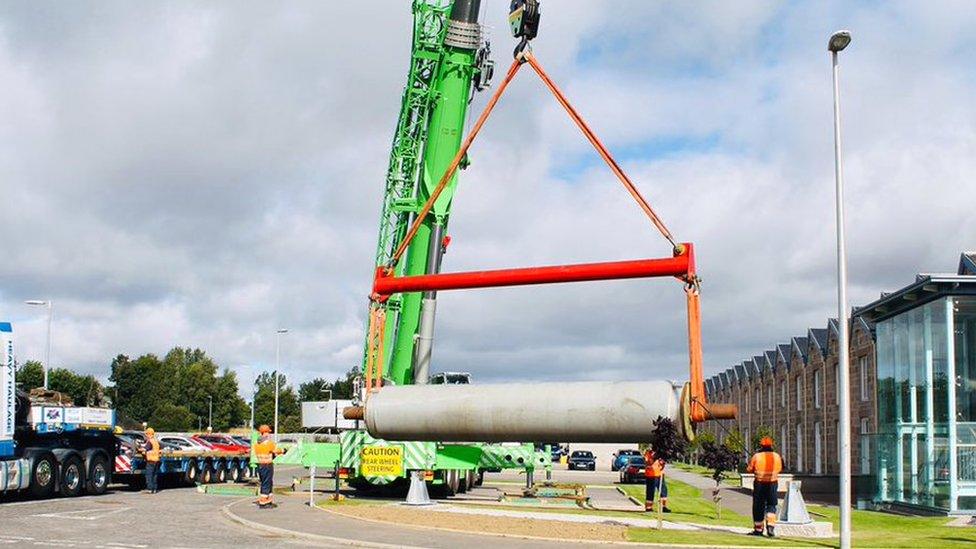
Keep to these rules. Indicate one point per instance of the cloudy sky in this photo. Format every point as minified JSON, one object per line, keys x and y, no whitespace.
{"x":201,"y":173}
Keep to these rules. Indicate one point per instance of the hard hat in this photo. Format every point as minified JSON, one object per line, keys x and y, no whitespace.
{"x":150,"y":431}
{"x":766,"y":442}
{"x":264,"y":429}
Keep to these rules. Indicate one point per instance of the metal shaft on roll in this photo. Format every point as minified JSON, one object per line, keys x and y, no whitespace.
{"x":619,"y":412}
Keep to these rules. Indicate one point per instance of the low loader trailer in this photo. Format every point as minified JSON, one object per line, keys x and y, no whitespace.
{"x":186,"y":467}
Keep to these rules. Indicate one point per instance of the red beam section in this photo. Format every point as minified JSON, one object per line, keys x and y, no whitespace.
{"x":681,"y":265}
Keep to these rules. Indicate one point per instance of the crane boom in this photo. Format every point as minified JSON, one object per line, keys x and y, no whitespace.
{"x":448,"y":61}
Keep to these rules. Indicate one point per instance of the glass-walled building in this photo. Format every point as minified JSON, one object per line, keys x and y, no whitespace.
{"x":926,"y":393}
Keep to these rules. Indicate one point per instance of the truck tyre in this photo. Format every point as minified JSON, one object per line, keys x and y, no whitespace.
{"x":462,"y":481}
{"x":44,"y":474}
{"x":240,"y":469}
{"x":98,"y":475}
{"x":207,"y":473}
{"x":472,"y":479}
{"x":480,"y":478}
{"x":451,"y":482}
{"x":219,"y":473}
{"x":72,"y":476}
{"x":191,"y":474}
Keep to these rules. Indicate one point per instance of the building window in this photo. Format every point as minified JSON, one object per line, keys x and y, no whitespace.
{"x":783,"y":444}
{"x":817,"y":448}
{"x":769,"y":397}
{"x":862,"y":367}
{"x":758,"y":400}
{"x":782,"y":394}
{"x":799,"y":448}
{"x":799,"y":394}
{"x":865,"y":448}
{"x":746,"y":402}
{"x":816,"y":388}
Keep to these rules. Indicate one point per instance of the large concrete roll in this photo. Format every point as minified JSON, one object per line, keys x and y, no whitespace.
{"x":619,"y":412}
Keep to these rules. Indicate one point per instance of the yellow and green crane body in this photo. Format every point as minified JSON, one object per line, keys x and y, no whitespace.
{"x":448,"y":62}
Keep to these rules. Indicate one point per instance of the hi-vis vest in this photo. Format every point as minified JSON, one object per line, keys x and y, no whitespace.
{"x":153,"y":454}
{"x":766,"y":466}
{"x":653,"y":467}
{"x":264,"y":450}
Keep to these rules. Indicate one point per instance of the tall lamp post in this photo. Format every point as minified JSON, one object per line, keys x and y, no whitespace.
{"x":50,"y":313}
{"x":210,"y":414}
{"x":838,"y":41}
{"x":277,"y":367}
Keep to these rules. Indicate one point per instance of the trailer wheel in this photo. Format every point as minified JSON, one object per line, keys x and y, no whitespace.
{"x":219,"y":473}
{"x":98,"y":475}
{"x":207,"y":473}
{"x":191,"y":473}
{"x":72,"y":476}
{"x":44,"y":476}
{"x":480,"y":478}
{"x":239,"y":472}
{"x":462,"y":481}
{"x":472,"y":479}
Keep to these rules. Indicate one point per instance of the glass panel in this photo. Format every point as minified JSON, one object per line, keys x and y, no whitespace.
{"x":911,"y":453}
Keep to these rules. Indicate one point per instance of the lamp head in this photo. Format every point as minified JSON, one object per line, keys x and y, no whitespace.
{"x":839,"y":40}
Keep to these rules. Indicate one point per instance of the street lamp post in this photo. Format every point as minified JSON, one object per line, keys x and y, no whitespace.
{"x":50,"y":313}
{"x":277,"y":367}
{"x":210,"y":413}
{"x":838,"y":41}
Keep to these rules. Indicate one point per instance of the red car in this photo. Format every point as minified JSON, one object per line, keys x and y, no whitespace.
{"x":223,"y":443}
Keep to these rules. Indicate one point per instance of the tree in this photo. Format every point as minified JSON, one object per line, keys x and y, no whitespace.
{"x":316,"y":389}
{"x":83,"y":390}
{"x":170,"y":417}
{"x":30,"y":375}
{"x":761,"y":432}
{"x":229,"y":409}
{"x":289,"y":409}
{"x":667,"y":443}
{"x":720,"y":459}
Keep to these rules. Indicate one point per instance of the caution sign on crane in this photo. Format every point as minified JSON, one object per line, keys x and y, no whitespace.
{"x":381,"y":461}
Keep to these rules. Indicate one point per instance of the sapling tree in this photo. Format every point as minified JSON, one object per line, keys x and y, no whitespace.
{"x":720,"y":458}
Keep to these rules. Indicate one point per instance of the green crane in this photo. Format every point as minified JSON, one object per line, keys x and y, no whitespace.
{"x":449,"y":61}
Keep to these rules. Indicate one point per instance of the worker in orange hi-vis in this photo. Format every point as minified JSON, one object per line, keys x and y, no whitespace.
{"x":153,"y":453}
{"x":654,"y":484}
{"x":766,"y":464}
{"x":265,"y":451}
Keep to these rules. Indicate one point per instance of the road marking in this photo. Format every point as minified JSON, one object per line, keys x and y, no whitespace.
{"x":82,"y":514}
{"x":117,"y":544}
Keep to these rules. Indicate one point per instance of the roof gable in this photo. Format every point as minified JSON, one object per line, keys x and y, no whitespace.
{"x":967,"y":264}
{"x":800,"y":348}
{"x":818,"y":339}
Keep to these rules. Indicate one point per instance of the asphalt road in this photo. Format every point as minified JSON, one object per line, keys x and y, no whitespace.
{"x":182,"y":517}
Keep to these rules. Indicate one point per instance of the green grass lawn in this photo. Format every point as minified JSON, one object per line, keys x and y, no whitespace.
{"x":731,"y":477}
{"x":688,"y":505}
{"x":871,"y":528}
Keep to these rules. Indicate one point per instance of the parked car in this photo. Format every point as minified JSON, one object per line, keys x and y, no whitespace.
{"x":185,"y":443}
{"x":582,"y":460}
{"x":633,"y":471}
{"x":224,"y":443}
{"x":621,"y":458}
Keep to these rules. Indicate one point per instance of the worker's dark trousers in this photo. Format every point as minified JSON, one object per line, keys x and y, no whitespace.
{"x":266,"y":474}
{"x":152,"y":472}
{"x":655,"y":484}
{"x":763,"y":501}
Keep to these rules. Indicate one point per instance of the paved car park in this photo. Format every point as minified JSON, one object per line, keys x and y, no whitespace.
{"x":184,"y":517}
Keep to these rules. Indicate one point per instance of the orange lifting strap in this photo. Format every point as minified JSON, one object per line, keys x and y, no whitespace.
{"x":377,"y":320}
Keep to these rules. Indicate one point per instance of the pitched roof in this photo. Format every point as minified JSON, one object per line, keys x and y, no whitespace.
{"x":751,"y":370}
{"x":967,"y":263}
{"x":771,"y":359}
{"x":801,"y":344}
{"x":740,"y":373}
{"x":760,"y":362}
{"x":818,"y":336}
{"x":785,"y":352}
{"x":724,"y":378}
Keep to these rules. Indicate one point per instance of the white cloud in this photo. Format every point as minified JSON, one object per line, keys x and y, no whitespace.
{"x":193,"y":174}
